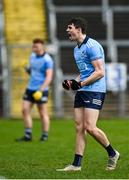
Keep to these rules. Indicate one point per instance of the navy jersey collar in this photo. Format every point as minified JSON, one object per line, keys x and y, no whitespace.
{"x":84,"y":42}
{"x":39,"y":56}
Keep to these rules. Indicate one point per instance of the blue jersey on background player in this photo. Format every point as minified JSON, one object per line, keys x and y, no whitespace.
{"x":84,"y":54}
{"x":39,"y":66}
{"x":40,"y":70}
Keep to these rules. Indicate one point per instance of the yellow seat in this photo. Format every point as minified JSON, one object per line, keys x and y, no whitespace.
{"x":24,"y":21}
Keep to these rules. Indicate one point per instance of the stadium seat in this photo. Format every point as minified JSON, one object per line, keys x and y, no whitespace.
{"x":24,"y":21}
{"x":23,"y":24}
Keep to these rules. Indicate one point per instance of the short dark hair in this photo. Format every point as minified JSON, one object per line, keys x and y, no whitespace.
{"x":79,"y":23}
{"x":38,"y":40}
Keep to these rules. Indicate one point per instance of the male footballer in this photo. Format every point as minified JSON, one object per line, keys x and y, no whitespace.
{"x":90,"y":95}
{"x":41,"y":73}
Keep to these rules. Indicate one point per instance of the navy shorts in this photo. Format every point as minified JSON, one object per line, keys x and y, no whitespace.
{"x":88,"y":99}
{"x":28,"y":96}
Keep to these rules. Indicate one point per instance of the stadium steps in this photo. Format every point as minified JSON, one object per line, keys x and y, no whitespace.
{"x":24,"y":21}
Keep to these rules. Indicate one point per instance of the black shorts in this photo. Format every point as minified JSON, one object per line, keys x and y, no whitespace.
{"x":88,"y":99}
{"x":28,"y":96}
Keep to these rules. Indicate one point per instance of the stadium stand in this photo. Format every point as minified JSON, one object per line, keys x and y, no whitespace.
{"x":24,"y":21}
{"x":96,"y":29}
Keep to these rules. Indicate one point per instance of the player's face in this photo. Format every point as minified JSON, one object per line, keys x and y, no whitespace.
{"x":37,"y":48}
{"x":73,"y":32}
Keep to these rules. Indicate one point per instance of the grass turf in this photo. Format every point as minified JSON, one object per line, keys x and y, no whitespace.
{"x":37,"y":160}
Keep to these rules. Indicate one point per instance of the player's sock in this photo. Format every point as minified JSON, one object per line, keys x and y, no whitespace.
{"x":28,"y":133}
{"x":111,"y":152}
{"x":44,"y":136}
{"x":77,"y":160}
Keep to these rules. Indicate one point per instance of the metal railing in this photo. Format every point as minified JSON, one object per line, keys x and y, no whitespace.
{"x":111,"y":44}
{"x":4,"y":78}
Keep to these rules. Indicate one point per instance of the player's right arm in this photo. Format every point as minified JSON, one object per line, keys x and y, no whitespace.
{"x":27,"y":69}
{"x":27,"y":66}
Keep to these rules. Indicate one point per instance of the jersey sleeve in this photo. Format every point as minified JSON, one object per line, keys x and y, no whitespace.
{"x":95,"y":52}
{"x":49,"y":63}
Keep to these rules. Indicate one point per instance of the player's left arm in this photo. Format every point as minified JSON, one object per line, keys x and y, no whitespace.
{"x":78,"y":78}
{"x":49,"y":73}
{"x":48,"y":79}
{"x":97,"y":74}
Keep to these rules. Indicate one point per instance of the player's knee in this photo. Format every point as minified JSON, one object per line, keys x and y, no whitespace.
{"x":79,"y":127}
{"x":90,"y":130}
{"x":25,"y":111}
{"x":43,"y":115}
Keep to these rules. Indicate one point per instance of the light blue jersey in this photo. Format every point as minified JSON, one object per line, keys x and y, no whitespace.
{"x":84,"y":54}
{"x":38,"y":66}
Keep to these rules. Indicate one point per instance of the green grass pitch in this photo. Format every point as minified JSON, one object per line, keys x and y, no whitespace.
{"x":40,"y":160}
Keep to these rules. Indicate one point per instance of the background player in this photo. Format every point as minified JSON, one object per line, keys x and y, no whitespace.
{"x":91,"y":86}
{"x":41,"y":73}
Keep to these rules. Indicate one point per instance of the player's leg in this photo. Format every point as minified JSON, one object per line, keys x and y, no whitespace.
{"x":90,"y":120}
{"x":80,"y":136}
{"x":45,"y":120}
{"x":80,"y":141}
{"x":26,"y":112}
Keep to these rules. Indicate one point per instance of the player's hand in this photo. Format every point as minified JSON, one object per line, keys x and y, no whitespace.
{"x":27,"y":69}
{"x":66,"y":84}
{"x":23,"y":64}
{"x":37,"y":95}
{"x":75,"y":85}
